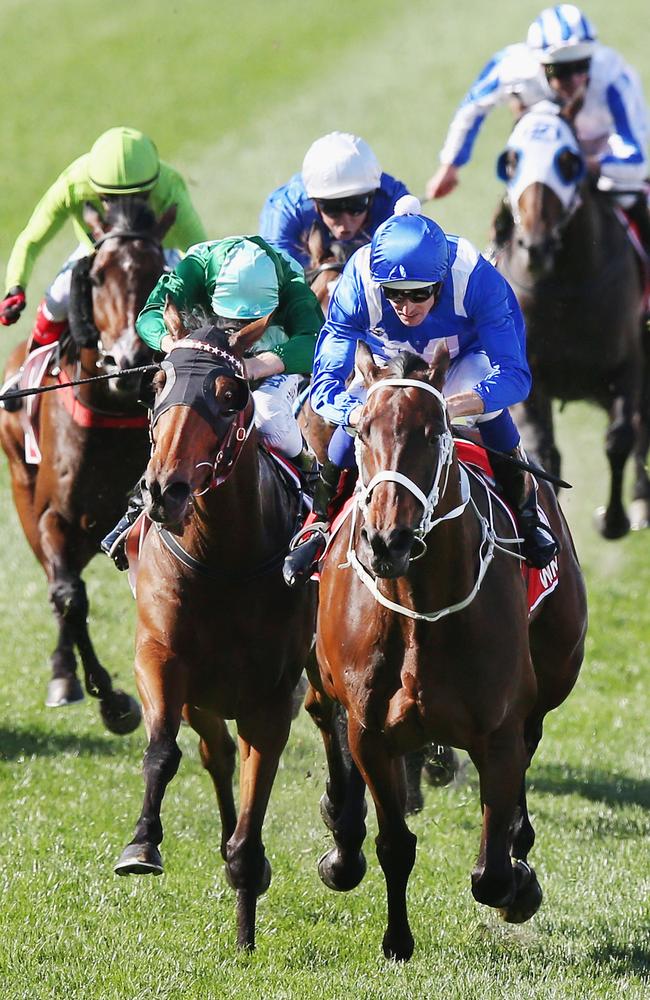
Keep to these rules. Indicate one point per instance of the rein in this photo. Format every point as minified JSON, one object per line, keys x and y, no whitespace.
{"x":128,"y":234}
{"x":489,"y":539}
{"x":20,"y":393}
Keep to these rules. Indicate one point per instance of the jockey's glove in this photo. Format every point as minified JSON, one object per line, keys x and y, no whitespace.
{"x":12,"y":305}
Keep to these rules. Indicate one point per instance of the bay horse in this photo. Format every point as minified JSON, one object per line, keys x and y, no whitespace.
{"x":579,"y":284}
{"x":219,"y":635}
{"x":423,"y":634}
{"x":93,"y":440}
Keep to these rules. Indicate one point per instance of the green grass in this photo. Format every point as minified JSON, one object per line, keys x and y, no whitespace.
{"x":234,"y":93}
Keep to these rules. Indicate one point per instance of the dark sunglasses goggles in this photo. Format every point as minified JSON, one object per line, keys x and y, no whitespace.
{"x":562,"y":71}
{"x":354,"y":205}
{"x":416,"y":295}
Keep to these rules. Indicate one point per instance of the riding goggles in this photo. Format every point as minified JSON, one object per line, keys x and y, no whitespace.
{"x":354,"y":205}
{"x":564,"y":70}
{"x":417,"y":295}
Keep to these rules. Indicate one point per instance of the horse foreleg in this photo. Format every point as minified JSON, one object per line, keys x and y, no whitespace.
{"x":262,"y":738}
{"x":343,"y":805}
{"x":162,"y":688}
{"x":218,"y":752}
{"x":640,"y":509}
{"x":612,"y":521}
{"x":120,"y":712}
{"x":534,"y":420}
{"x":395,"y":843}
{"x":501,"y":762}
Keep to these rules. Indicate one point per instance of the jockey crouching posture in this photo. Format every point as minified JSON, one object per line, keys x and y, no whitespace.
{"x":341,"y":190}
{"x":561,"y":61}
{"x":241,"y":280}
{"x":411,"y":288}
{"x":122,"y":162}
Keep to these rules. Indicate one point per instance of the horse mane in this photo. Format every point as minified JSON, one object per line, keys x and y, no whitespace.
{"x":130,"y":214}
{"x":406,"y":363}
{"x":83,"y":332}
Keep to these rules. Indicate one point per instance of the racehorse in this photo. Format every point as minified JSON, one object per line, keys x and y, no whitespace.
{"x":423,"y":633}
{"x":93,"y":440}
{"x":578,"y":281}
{"x":219,"y":635}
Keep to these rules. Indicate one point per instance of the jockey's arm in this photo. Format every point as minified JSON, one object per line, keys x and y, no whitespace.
{"x":300,"y":316}
{"x":47,"y":218}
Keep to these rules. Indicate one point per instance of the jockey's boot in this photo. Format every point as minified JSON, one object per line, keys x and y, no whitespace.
{"x":311,"y":541}
{"x":539,"y":544}
{"x":46,"y":330}
{"x":114,"y":542}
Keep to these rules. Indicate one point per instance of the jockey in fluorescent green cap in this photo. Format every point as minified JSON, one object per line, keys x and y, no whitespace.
{"x":123,"y":162}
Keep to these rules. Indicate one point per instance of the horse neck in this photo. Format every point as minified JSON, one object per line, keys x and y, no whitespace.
{"x":581,"y":249}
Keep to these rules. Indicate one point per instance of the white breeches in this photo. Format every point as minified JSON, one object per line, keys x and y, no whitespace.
{"x":57,"y":296}
{"x":274,"y":419}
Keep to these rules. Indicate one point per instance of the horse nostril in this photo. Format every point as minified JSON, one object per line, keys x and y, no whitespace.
{"x":401,"y":540}
{"x":176,"y":493}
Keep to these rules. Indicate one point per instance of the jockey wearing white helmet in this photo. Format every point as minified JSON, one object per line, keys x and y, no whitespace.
{"x":411,"y":289}
{"x":561,"y":58}
{"x":341,"y":189}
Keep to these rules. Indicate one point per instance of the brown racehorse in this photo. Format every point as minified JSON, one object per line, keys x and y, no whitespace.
{"x":93,"y":441}
{"x":219,"y":635}
{"x":575,"y":275}
{"x":423,"y":633}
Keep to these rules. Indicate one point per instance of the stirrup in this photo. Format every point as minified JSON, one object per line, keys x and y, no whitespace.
{"x":114,"y":542}
{"x":540,"y":543}
{"x":306,"y":549}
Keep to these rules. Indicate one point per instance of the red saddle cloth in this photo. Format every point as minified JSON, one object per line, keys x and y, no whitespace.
{"x":539,"y":582}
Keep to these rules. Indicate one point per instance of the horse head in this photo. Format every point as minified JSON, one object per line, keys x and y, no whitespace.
{"x":542,"y":167}
{"x":110,"y":287}
{"x":202,"y":413}
{"x":404,"y":450}
{"x":327,"y":258}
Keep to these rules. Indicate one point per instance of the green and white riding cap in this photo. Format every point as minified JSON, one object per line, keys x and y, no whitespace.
{"x":247,"y":284}
{"x":123,"y":161}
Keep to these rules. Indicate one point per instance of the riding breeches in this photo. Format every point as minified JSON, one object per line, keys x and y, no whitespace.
{"x":274,"y":419}
{"x":57,"y":296}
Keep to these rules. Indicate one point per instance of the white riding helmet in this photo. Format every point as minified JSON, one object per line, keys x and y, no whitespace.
{"x":339,"y":165}
{"x":562,"y":34}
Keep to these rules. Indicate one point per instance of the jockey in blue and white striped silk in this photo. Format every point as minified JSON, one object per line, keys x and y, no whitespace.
{"x":411,"y":288}
{"x":561,"y":58}
{"x":341,"y":188}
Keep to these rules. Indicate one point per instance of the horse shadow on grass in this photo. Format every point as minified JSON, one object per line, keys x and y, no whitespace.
{"x":608,"y":787}
{"x":26,"y":743}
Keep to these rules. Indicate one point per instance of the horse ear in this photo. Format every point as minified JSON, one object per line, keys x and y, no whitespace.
{"x":242,"y":340}
{"x":316,"y":244}
{"x":439,"y":365}
{"x":573,"y":106}
{"x":173,"y":320}
{"x":365,"y":363}
{"x":166,"y":221}
{"x":94,"y":220}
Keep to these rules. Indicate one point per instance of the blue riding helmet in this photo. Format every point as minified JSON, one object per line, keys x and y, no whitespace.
{"x":409,"y":248}
{"x":247,"y":285}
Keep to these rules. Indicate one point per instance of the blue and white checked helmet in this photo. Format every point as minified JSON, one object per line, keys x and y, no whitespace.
{"x":562,"y":34}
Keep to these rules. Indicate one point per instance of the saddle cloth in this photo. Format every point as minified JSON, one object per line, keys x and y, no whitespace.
{"x":30,"y":376}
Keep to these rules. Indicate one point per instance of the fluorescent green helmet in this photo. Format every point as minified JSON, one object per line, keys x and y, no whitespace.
{"x":247,"y":284}
{"x":123,"y":161}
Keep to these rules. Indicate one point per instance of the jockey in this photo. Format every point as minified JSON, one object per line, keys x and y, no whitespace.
{"x":341,"y":189}
{"x":561,"y":60}
{"x":122,"y":162}
{"x":241,"y":280}
{"x":411,"y":288}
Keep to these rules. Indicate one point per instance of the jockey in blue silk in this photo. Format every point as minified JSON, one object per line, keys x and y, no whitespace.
{"x":411,"y":288}
{"x":341,"y":189}
{"x":560,"y":61}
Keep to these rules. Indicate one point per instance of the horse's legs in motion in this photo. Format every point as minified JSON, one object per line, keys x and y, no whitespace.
{"x":163,"y":685}
{"x":218,"y":753}
{"x":612,"y":521}
{"x":262,"y":738}
{"x":120,"y":712}
{"x":640,"y":510}
{"x":534,"y":419}
{"x":384,"y":776}
{"x":342,"y":805}
{"x":501,"y":762}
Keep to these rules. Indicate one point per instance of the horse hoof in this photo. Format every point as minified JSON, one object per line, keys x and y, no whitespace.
{"x":120,"y":713}
{"x":612,"y":528}
{"x":139,"y":859}
{"x":528,"y":895}
{"x":340,"y":877}
{"x":440,"y":766}
{"x":640,"y":515}
{"x":63,"y":691}
{"x":264,"y":884}
{"x":414,"y":803}
{"x":398,"y":948}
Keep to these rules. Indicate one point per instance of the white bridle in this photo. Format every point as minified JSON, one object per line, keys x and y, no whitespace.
{"x":429,"y":503}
